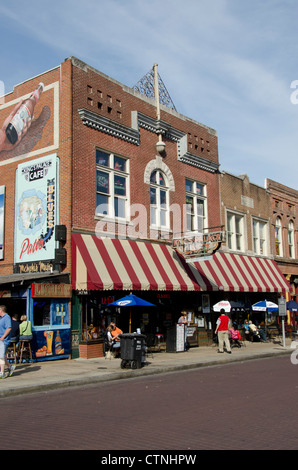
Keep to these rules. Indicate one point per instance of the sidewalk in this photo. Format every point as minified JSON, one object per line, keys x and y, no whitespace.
{"x":50,"y":375}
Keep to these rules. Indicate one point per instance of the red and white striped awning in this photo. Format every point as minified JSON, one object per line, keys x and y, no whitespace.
{"x":239,"y":273}
{"x":115,"y":264}
{"x":108,"y":264}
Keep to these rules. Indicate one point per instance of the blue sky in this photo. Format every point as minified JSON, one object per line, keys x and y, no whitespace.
{"x":228,"y":64}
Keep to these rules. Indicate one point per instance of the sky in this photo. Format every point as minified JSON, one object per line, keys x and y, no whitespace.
{"x":228,"y":64}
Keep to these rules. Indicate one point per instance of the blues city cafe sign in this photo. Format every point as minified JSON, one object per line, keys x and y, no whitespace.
{"x":36,"y":210}
{"x":199,"y":245}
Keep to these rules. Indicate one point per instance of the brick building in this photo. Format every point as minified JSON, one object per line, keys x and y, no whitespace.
{"x":137,"y":198}
{"x":284,"y":229}
{"x":36,"y":207}
{"x":119,"y":189}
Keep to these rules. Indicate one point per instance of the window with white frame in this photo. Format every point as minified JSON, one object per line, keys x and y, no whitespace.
{"x":111,"y":185}
{"x":235,"y":231}
{"x":159,"y":200}
{"x":260,"y":237}
{"x":196,"y":219}
{"x":291,"y":239}
{"x":278,"y":237}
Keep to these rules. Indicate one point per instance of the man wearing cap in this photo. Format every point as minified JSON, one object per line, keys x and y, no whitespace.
{"x":222,"y":328}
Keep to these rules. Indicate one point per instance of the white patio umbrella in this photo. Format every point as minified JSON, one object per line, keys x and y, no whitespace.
{"x":225,"y":304}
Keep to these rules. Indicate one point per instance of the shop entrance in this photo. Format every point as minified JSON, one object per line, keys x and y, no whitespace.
{"x":15,"y":305}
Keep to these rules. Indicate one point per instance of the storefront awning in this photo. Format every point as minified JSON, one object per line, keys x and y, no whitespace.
{"x":108,"y":264}
{"x":22,"y":278}
{"x":114,"y":264}
{"x":239,"y":273}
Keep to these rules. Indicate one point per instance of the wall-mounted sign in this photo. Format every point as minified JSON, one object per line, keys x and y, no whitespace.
{"x":46,"y":290}
{"x":37,"y":197}
{"x":199,"y":245}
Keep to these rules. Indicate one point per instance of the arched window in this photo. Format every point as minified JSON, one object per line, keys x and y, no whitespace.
{"x":159,"y":200}
{"x":278,"y":237}
{"x":291,"y":239}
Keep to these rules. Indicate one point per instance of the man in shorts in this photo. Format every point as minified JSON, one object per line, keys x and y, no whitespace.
{"x":5,"y":328}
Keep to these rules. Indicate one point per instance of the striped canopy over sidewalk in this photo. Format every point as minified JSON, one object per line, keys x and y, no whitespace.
{"x":240,"y":273}
{"x":115,"y":264}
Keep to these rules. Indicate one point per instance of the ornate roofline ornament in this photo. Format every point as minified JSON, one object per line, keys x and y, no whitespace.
{"x":145,"y":86}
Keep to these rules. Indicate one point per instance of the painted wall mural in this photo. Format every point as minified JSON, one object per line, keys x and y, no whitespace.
{"x":29,"y":124}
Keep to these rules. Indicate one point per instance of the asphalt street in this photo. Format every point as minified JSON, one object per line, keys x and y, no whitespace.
{"x":241,"y":405}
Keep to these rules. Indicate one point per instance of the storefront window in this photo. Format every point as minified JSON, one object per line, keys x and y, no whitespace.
{"x":91,"y":321}
{"x":50,"y":312}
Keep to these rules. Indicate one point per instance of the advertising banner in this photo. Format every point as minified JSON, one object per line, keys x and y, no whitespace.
{"x":37,"y":193}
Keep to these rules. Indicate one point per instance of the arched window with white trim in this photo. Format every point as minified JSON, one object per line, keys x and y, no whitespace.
{"x":278,"y":237}
{"x":159,"y":200}
{"x":291,"y":239}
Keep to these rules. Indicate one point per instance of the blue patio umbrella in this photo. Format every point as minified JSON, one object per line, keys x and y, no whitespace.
{"x":292,"y":306}
{"x":131,"y":301}
{"x":265,"y":306}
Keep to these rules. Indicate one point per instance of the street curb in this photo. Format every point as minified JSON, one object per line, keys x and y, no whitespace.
{"x":130,"y":374}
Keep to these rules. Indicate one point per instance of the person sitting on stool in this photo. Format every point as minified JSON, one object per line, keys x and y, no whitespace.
{"x":25,"y":329}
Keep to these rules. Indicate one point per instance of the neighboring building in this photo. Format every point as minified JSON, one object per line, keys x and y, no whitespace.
{"x":247,"y":253}
{"x":111,"y":192}
{"x":246,"y":213}
{"x":284,"y":230}
{"x":35,"y":181}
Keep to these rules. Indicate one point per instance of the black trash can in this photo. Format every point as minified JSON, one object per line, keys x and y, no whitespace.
{"x":133,"y":348}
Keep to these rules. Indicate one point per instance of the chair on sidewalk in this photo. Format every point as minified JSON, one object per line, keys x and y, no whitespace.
{"x":12,"y":353}
{"x":25,"y":348}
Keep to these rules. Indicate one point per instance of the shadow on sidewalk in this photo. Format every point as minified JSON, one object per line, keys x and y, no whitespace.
{"x":24,"y":368}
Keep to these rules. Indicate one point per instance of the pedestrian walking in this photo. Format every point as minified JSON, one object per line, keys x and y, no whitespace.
{"x":222,"y":329}
{"x":5,"y":329}
{"x":183,"y":321}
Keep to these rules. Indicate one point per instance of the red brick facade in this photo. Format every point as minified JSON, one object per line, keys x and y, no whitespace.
{"x":82,"y":111}
{"x":250,"y":202}
{"x":98,"y":94}
{"x":284,"y":206}
{"x":79,"y":87}
{"x":52,"y":137}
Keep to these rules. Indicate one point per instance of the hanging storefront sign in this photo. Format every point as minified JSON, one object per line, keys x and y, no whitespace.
{"x":199,"y":245}
{"x":37,"y":198}
{"x":44,"y":290}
